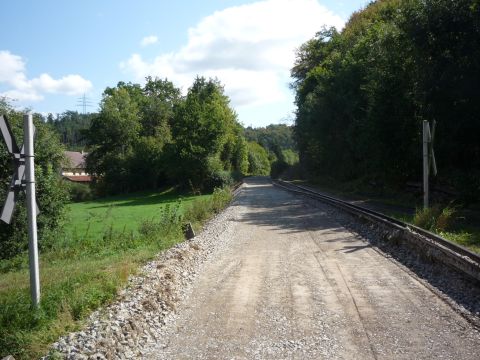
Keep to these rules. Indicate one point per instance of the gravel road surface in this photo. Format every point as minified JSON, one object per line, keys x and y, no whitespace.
{"x":275,"y":276}
{"x":291,"y":283}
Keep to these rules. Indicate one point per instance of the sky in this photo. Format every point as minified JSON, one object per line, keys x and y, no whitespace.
{"x":54,"y":52}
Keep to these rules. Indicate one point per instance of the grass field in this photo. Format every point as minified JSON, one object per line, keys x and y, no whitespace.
{"x":120,"y":214}
{"x":104,"y":242}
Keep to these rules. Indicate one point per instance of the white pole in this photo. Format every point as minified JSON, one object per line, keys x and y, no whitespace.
{"x":426,"y":138}
{"x":31,"y":208}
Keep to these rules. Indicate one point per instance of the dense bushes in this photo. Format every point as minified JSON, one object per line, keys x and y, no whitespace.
{"x":79,"y":192}
{"x":201,"y":209}
{"x":362,"y":94}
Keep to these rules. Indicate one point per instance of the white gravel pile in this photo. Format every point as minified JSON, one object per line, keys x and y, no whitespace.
{"x":136,"y":320}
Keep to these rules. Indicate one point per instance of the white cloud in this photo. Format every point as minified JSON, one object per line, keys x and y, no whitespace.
{"x":69,"y":85}
{"x":13,"y":75}
{"x":249,"y":48}
{"x":149,"y":40}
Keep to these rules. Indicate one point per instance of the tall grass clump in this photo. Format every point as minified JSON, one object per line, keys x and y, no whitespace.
{"x":201,"y":209}
{"x":167,"y":225}
{"x":435,"y":218}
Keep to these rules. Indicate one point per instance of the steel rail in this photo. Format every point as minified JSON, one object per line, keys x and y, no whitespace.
{"x":451,"y":253}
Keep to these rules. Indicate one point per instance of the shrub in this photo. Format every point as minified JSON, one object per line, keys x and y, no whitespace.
{"x":168,"y":224}
{"x":51,"y":194}
{"x":435,"y":218}
{"x":201,"y":209}
{"x":79,"y":192}
{"x":220,"y":179}
{"x":258,"y":162}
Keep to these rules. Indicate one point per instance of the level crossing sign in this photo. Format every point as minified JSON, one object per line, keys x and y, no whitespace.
{"x":18,"y":182}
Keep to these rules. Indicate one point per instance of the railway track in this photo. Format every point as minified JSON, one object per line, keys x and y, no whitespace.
{"x":429,"y":245}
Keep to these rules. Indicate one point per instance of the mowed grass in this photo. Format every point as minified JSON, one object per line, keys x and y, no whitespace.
{"x":105,"y":241}
{"x":120,"y":214}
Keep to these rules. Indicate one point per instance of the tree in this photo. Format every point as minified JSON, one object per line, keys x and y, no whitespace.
{"x":111,"y":137}
{"x":204,"y":132}
{"x":70,"y":127}
{"x":161,"y":98}
{"x":146,"y":136}
{"x":258,"y":163}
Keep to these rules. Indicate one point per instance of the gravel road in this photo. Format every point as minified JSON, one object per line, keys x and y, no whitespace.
{"x":294,"y":284}
{"x":277,"y":277}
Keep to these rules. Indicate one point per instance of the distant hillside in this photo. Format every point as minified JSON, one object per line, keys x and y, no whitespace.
{"x":272,"y":137}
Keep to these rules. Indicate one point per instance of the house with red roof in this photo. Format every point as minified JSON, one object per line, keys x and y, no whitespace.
{"x":75,"y":169}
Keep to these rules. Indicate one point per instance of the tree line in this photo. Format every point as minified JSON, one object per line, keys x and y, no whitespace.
{"x":143,"y":137}
{"x":71,"y":126}
{"x":363,"y":93}
{"x":276,"y":149}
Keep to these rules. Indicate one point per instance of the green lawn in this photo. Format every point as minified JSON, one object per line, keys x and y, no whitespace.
{"x":104,"y":242}
{"x":124,"y":214}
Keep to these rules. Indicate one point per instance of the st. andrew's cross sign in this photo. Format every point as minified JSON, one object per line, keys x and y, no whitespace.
{"x":23,"y":179}
{"x":18,"y":178}
{"x":18,"y":173}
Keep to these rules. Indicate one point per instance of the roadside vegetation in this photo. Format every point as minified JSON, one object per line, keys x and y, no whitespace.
{"x":152,"y":153}
{"x":104,"y":243}
{"x":275,"y":143}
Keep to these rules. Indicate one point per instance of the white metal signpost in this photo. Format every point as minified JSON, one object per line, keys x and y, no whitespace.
{"x":23,"y":179}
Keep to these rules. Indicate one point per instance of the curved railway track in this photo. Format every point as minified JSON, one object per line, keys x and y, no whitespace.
{"x":428,"y":244}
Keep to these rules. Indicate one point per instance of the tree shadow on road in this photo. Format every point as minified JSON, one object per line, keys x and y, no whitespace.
{"x":287,"y":213}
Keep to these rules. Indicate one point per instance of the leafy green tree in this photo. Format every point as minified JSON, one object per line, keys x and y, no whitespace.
{"x":258,"y":162}
{"x":205,"y":129}
{"x":272,"y":137}
{"x":112,"y":136}
{"x":240,"y":160}
{"x":146,"y":136}
{"x":158,"y":108}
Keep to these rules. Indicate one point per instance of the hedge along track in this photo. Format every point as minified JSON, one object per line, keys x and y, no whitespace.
{"x":431,"y":246}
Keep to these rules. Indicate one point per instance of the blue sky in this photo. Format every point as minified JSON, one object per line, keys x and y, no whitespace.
{"x":51,"y":52}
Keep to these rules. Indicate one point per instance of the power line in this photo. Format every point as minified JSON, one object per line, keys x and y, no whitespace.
{"x":84,"y":102}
